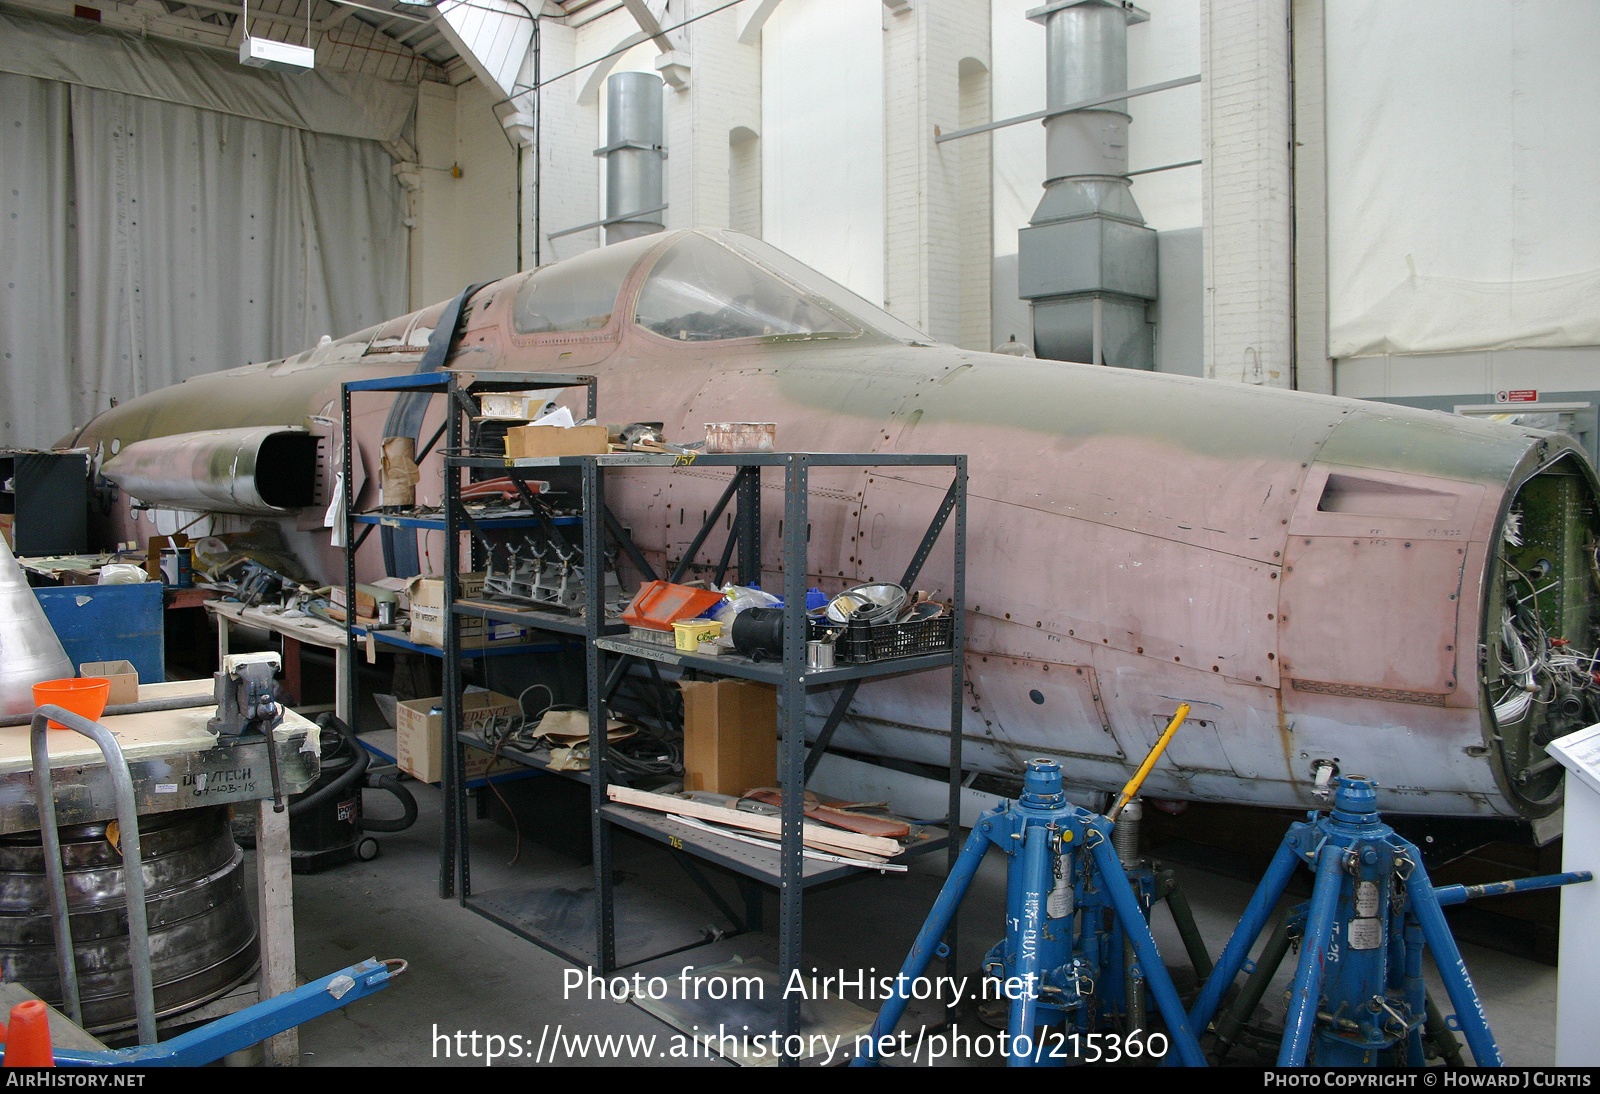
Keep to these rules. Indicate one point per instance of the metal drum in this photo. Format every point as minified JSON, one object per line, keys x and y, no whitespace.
{"x":202,"y":934}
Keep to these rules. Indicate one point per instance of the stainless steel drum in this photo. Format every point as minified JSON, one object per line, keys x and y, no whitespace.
{"x":202,"y":935}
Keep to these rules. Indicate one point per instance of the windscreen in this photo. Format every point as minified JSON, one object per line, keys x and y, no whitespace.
{"x":839,"y":298}
{"x":700,"y":291}
{"x":579,"y":293}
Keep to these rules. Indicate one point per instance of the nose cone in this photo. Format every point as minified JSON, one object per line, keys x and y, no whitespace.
{"x":30,"y":652}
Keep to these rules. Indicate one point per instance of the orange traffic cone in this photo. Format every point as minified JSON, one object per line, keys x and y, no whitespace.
{"x":28,"y":1036}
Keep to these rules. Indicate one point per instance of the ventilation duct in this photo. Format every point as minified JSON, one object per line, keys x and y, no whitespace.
{"x":633,"y":155}
{"x":1086,"y":261}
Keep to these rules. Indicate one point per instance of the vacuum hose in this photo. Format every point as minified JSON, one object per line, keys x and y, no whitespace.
{"x":351,"y":776}
{"x":408,"y":805}
{"x":355,"y":776}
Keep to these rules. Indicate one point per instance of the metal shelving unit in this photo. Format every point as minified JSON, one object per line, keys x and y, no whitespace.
{"x":460,"y":390}
{"x":792,"y":874}
{"x":609,"y":654}
{"x":788,"y":870}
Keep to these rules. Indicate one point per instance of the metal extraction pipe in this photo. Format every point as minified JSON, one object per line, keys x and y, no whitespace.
{"x":1087,"y":261}
{"x":633,"y":155}
{"x":30,"y":652}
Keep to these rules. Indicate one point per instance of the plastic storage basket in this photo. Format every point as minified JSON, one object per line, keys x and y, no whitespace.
{"x":863,"y":642}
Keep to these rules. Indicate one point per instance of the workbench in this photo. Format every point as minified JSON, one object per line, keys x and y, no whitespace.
{"x":176,"y":763}
{"x":295,"y":630}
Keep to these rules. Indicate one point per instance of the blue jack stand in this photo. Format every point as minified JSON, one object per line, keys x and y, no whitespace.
{"x":1066,"y":916}
{"x":1358,"y":998}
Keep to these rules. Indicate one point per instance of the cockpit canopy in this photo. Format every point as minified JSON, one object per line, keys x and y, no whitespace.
{"x":702,"y":286}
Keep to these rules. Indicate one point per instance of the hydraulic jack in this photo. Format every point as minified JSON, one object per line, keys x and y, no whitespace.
{"x":1358,"y":997}
{"x":1068,"y":906}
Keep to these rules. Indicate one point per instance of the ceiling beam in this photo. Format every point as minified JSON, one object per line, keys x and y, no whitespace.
{"x":648,"y":23}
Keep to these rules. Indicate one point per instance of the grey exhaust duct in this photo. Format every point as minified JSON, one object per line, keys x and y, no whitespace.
{"x":633,"y":155}
{"x":30,"y":652}
{"x":1086,"y":261}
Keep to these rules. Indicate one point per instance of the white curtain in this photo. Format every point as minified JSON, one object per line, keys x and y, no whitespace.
{"x":1463,"y":163}
{"x":37,"y":261}
{"x":200,"y":241}
{"x":324,"y":100}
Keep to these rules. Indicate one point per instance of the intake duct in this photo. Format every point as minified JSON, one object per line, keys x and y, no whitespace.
{"x":254,"y":471}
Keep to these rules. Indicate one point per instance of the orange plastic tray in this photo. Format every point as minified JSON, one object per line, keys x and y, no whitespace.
{"x":661,"y":604}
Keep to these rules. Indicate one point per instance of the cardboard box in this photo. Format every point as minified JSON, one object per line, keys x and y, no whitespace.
{"x":427,"y":616}
{"x":730,"y":735}
{"x":123,"y":676}
{"x":152,"y":562}
{"x":419,"y":735}
{"x":523,"y":441}
{"x":399,"y":586}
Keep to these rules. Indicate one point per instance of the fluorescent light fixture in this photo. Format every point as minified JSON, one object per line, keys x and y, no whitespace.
{"x":275,"y":56}
{"x":272,"y":55}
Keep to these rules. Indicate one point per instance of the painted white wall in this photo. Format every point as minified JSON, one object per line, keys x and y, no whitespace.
{"x":822,"y":138}
{"x":465,"y":229}
{"x":568,"y":191}
{"x":1166,"y":126}
{"x":1017,"y":46}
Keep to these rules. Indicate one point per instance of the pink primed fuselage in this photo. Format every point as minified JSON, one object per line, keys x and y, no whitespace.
{"x":1135,"y":541}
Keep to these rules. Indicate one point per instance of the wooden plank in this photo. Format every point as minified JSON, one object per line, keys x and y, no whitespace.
{"x":177,"y":689}
{"x":814,"y":834}
{"x":275,"y":914}
{"x":64,"y":1032}
{"x":308,"y":629}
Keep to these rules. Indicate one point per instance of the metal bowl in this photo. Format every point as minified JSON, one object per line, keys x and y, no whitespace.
{"x":873,"y":602}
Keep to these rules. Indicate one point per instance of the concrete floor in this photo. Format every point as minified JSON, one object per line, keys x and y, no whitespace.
{"x":468,"y":974}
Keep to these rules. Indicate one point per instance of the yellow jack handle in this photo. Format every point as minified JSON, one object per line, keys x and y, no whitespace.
{"x":1139,"y":776}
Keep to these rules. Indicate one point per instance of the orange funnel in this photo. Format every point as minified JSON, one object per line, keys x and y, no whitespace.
{"x":83,"y":695}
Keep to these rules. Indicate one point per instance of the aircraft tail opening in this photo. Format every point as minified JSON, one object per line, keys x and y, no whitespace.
{"x":1541,"y":666}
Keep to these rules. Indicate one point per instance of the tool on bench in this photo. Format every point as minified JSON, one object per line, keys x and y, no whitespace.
{"x":247,"y":706}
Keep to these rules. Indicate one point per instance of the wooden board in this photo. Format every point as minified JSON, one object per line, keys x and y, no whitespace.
{"x":306,"y":628}
{"x":141,"y":737}
{"x":814,"y":834}
{"x":177,"y":689}
{"x":64,"y":1032}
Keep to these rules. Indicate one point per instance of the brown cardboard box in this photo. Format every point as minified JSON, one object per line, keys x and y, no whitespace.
{"x":427,"y":616}
{"x":123,"y":676}
{"x":152,"y":564}
{"x":523,"y":441}
{"x":419,"y":735}
{"x":730,"y":735}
